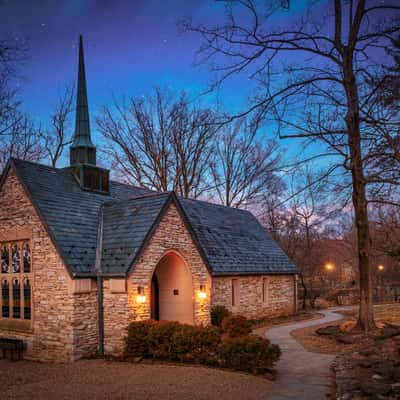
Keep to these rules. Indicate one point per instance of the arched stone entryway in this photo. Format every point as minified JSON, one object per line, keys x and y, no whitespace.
{"x":172,"y":290}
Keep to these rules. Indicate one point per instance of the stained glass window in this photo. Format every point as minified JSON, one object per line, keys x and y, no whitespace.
{"x":16,"y":296}
{"x":27,"y":299}
{"x":5,"y":259}
{"x":27,"y":257}
{"x":15,"y":280}
{"x":5,"y":299}
{"x":16,"y":258}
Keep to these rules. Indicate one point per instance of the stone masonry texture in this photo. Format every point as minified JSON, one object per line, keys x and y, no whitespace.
{"x":119,"y":309}
{"x":64,"y":326}
{"x":278,"y":300}
{"x":64,"y":323}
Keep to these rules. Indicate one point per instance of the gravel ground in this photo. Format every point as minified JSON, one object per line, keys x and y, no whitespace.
{"x":100,"y":379}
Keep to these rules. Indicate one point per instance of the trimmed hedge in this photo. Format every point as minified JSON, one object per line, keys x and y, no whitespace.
{"x":137,"y":343}
{"x":172,"y":341}
{"x":236,"y":326}
{"x":249,"y":353}
{"x":218,"y":313}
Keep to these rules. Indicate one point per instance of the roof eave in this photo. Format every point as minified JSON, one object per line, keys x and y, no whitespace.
{"x":250,"y":273}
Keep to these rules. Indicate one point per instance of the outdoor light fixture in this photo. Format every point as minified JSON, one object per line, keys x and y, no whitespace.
{"x":140,"y":298}
{"x":381,"y":267}
{"x":329,"y":266}
{"x":202,"y":293}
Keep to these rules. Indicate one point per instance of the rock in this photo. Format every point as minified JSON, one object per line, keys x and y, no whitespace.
{"x":366,"y":352}
{"x":396,"y":373}
{"x":346,"y":339}
{"x":396,"y":387}
{"x":375,"y":388}
{"x":385,"y":369}
{"x":365,"y":363}
{"x":328,"y":330}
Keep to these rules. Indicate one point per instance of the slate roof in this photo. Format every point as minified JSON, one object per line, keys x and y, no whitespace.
{"x":126,"y":225}
{"x":70,"y":213}
{"x":231,"y":241}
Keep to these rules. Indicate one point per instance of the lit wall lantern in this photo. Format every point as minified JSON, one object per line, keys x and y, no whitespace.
{"x":381,"y":267}
{"x":203,"y":292}
{"x":329,"y":266}
{"x":140,"y":298}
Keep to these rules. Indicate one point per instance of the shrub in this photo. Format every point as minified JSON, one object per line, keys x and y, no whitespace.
{"x":218,"y":313}
{"x":136,"y":343}
{"x":236,"y":325}
{"x":248,"y":353}
{"x":170,"y":340}
{"x":162,"y":338}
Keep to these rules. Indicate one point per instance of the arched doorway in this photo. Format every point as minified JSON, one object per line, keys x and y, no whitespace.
{"x":172,"y":290}
{"x":155,"y":299}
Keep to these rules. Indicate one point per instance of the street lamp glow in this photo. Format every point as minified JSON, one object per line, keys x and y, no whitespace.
{"x":329,"y":266}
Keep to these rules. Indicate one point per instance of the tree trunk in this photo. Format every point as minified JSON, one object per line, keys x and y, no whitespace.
{"x":304,"y":291}
{"x":365,"y":317}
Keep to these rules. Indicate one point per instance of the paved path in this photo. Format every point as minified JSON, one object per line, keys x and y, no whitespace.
{"x":301,"y":374}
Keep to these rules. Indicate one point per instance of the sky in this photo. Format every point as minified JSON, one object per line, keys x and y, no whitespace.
{"x":131,"y":46}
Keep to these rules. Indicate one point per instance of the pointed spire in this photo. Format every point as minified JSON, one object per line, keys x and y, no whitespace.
{"x":82,"y":126}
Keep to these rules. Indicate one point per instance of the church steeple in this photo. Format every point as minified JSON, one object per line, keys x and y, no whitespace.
{"x":82,"y":150}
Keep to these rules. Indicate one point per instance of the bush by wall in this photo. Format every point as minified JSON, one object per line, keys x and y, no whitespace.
{"x":137,"y":343}
{"x":172,"y":341}
{"x":235,"y":326}
{"x":218,"y":313}
{"x":248,"y":353}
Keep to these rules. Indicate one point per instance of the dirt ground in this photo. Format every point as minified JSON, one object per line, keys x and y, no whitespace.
{"x":326,"y":344}
{"x":311,"y":341}
{"x":100,"y":379}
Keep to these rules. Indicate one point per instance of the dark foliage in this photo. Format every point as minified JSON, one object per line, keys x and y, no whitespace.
{"x":172,"y":341}
{"x":218,"y":313}
{"x":248,"y":353}
{"x":236,"y":325}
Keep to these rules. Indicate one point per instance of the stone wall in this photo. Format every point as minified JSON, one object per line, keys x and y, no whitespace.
{"x":116,"y":318}
{"x":279,"y":299}
{"x":119,"y":309}
{"x":62,"y":326}
{"x":85,"y":326}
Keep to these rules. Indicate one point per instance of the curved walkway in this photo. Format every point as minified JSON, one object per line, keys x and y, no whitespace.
{"x":301,"y":374}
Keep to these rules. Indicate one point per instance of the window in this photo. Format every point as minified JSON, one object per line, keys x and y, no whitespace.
{"x":265,"y":290}
{"x":235,"y":292}
{"x":15,"y":281}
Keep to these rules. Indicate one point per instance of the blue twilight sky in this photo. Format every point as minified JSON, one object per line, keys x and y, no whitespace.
{"x":131,"y":46}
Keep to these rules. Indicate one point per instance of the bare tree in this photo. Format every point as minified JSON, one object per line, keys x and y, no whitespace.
{"x":12,"y":54}
{"x":244,"y":168}
{"x":58,"y":136}
{"x":192,"y":138}
{"x":324,"y":61}
{"x":160,"y":142}
{"x":19,"y":136}
{"x":21,"y":140}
